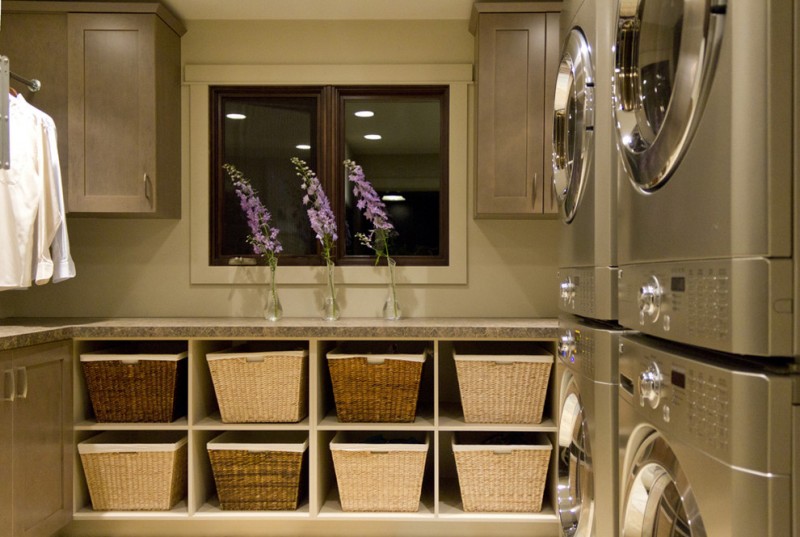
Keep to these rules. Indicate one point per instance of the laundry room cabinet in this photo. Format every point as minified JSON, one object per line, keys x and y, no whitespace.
{"x":111,"y":82}
{"x":516,"y":55}
{"x":35,"y":440}
{"x":438,"y":418}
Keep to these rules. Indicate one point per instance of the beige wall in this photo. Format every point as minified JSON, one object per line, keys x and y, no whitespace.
{"x":141,"y":268}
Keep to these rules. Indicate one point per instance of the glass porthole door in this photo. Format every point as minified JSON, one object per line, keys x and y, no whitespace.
{"x":665,"y":55}
{"x":575,"y":476}
{"x":658,"y":498}
{"x":573,"y":124}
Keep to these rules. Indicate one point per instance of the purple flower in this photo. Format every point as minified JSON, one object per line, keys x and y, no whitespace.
{"x":373,"y":209}
{"x":263,"y":238}
{"x":320,"y":214}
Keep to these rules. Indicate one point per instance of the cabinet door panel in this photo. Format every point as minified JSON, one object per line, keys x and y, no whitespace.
{"x":41,"y":453}
{"x":5,"y":445}
{"x":111,"y":113}
{"x":511,"y":108}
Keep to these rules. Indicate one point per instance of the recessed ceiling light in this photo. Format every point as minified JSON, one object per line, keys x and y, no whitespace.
{"x":393,"y":197}
{"x":304,"y":147}
{"x":235,"y":116}
{"x":373,"y":136}
{"x":365,"y":113}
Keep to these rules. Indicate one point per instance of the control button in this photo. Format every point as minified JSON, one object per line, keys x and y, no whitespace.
{"x":650,"y":386}
{"x":666,"y":413}
{"x":567,"y":347}
{"x":650,"y":299}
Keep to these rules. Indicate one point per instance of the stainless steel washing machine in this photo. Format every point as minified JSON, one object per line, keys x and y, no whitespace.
{"x":587,"y":429}
{"x":706,"y":443}
{"x":703,"y":114}
{"x":584,"y":176}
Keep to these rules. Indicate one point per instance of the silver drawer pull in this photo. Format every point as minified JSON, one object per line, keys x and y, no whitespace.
{"x":22,"y":383}
{"x":9,"y":391}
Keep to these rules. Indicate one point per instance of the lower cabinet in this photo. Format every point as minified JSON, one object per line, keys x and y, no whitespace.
{"x":35,"y":440}
{"x":438,"y":418}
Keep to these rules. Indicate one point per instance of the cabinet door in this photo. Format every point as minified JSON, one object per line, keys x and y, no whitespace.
{"x":512,"y":114}
{"x":111,"y":113}
{"x":6,"y":391}
{"x":42,"y":439}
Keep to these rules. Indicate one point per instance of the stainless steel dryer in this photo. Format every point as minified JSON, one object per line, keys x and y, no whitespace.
{"x":584,"y":177}
{"x":587,"y":429}
{"x":703,"y":115}
{"x":706,"y":444}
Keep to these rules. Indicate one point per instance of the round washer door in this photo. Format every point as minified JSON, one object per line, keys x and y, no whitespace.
{"x":573,"y":124}
{"x":658,"y":499}
{"x":666,"y":54}
{"x":575,"y":476}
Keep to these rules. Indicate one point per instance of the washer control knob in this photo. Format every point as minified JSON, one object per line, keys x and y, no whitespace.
{"x":568,"y":288}
{"x":567,"y":347}
{"x":650,"y":386}
{"x":650,"y":299}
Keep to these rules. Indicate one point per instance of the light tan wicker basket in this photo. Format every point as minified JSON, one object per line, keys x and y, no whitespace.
{"x":139,"y":382}
{"x":135,"y":470}
{"x":258,"y":470}
{"x":260,"y":386}
{"x":505,"y":387}
{"x":498,"y":477}
{"x":373,"y":387}
{"x":379,"y":476}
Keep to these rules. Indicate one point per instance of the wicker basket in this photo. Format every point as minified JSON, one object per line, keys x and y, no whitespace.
{"x":135,"y":470}
{"x":503,"y":387}
{"x":260,"y":386}
{"x":375,"y":387}
{"x":130,"y":384}
{"x":257,"y":471}
{"x":502,"y":477}
{"x":379,"y":476}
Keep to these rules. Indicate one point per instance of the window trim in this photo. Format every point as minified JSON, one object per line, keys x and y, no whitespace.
{"x":198,"y":78}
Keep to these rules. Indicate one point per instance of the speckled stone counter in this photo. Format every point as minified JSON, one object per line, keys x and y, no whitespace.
{"x":16,"y":333}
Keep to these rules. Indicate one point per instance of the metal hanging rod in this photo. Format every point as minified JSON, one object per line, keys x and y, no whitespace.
{"x":33,"y":84}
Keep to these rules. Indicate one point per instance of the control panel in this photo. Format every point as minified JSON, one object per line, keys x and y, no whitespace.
{"x":692,"y":303}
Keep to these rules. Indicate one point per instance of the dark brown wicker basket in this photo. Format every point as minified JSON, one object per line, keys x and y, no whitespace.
{"x":256,"y":480}
{"x":131,"y":390}
{"x":375,"y":388}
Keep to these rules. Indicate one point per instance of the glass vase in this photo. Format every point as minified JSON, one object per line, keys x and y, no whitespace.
{"x":274,"y":310}
{"x":391,"y":308}
{"x":330,"y":307}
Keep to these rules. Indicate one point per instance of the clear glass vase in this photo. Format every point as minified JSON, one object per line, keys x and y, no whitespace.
{"x":274,"y":310}
{"x":391,"y":308}
{"x":330,"y":307}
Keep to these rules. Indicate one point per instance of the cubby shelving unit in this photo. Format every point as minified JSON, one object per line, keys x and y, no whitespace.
{"x":438,"y":414}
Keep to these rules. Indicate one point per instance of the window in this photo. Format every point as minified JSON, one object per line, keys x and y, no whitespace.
{"x":399,"y":135}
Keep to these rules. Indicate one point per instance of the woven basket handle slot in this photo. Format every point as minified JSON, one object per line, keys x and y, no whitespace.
{"x":375,"y":360}
{"x":129,"y":361}
{"x":254,"y":359}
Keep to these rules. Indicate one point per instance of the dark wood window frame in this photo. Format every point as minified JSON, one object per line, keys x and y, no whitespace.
{"x":329,"y":150}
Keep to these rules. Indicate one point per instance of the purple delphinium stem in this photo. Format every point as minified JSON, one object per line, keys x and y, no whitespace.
{"x":320,"y":214}
{"x":263,"y":237}
{"x":373,"y":209}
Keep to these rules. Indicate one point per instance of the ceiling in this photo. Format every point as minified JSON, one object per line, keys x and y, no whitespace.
{"x":321,"y":9}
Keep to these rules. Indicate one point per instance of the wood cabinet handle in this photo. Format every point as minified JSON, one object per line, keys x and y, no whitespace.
{"x":22,"y":382}
{"x":9,"y":390}
{"x":148,"y":188}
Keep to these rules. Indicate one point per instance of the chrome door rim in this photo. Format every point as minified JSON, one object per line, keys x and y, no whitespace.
{"x":650,"y":156}
{"x":575,"y":475}
{"x":572,"y":151}
{"x":653,"y":483}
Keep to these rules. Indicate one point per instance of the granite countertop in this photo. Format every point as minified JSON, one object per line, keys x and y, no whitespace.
{"x":22,"y":332}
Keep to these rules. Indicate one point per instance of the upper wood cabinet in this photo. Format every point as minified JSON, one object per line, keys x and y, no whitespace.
{"x":517,"y":47}
{"x":111,"y":76}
